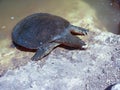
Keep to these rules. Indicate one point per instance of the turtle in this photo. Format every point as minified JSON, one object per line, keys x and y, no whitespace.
{"x":44,"y":32}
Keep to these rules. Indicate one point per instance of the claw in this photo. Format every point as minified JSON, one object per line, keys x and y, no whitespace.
{"x":85,"y":32}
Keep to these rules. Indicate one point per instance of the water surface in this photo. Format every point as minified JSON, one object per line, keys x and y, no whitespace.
{"x":11,"y":11}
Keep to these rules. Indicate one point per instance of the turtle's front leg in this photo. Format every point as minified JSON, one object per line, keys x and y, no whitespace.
{"x":72,"y":41}
{"x":44,"y":50}
{"x":78,"y":30}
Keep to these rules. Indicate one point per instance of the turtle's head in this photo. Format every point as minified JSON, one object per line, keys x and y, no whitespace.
{"x":77,"y":30}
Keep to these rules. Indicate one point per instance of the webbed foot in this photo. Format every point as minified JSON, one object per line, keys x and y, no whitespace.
{"x":72,"y":41}
{"x":44,"y":50}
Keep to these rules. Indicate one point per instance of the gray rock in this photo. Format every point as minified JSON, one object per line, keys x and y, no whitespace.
{"x":116,"y":87}
{"x":92,"y":69}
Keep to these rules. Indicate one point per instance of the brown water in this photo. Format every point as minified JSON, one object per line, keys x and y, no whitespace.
{"x":108,"y":15}
{"x":11,"y":11}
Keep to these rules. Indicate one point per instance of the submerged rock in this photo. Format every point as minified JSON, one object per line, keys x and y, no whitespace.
{"x":92,"y":69}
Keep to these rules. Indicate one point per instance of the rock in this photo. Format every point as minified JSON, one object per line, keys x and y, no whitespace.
{"x":12,"y":18}
{"x":116,"y":87}
{"x":92,"y":69}
{"x":3,"y":27}
{"x":116,"y":3}
{"x":113,"y":87}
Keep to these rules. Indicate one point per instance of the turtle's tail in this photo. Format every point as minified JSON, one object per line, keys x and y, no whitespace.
{"x":78,"y":30}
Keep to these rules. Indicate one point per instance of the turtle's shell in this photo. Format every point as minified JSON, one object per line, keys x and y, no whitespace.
{"x":37,"y":29}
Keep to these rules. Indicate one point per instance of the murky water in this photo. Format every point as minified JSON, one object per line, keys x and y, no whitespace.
{"x":11,"y":11}
{"x":108,"y":15}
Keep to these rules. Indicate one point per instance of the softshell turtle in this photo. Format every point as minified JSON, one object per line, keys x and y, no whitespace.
{"x":43,"y":31}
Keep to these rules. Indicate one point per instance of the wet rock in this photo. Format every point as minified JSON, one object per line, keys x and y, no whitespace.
{"x":116,"y":3}
{"x":64,"y":69}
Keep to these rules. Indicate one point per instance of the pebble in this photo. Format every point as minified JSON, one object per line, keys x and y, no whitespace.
{"x":3,"y":27}
{"x":12,"y":18}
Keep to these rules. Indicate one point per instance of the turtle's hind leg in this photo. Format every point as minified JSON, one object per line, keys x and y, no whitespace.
{"x":44,"y":50}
